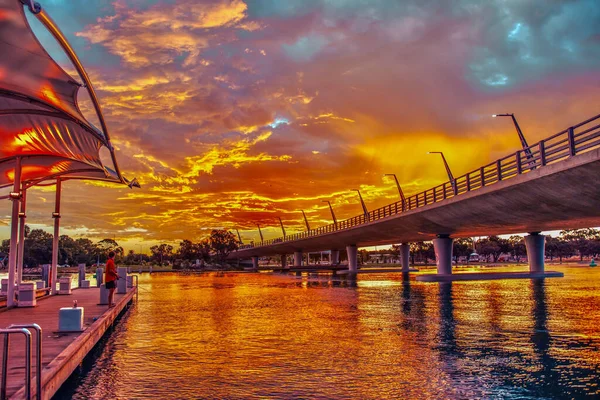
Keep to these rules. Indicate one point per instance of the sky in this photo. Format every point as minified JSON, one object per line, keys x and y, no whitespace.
{"x":233,"y":113}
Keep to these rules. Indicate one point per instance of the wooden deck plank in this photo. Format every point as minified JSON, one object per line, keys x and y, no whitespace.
{"x":56,"y":361}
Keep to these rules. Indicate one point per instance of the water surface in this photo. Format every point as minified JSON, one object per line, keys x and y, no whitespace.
{"x":280,"y":336}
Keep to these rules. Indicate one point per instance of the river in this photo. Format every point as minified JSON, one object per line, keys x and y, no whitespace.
{"x":240,"y":336}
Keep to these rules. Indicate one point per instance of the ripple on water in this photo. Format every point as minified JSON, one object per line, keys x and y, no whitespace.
{"x":273,"y":336}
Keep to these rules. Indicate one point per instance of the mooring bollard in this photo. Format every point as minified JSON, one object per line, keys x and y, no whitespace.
{"x":81,"y":273}
{"x":99,"y":276}
{"x":122,"y":281}
{"x":27,"y":296}
{"x":64,"y":285}
{"x":70,"y":319}
{"x":103,"y":295}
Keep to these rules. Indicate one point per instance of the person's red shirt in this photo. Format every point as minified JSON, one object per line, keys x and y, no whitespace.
{"x":111,"y":271}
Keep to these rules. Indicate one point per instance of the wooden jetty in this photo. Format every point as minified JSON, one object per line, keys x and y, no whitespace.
{"x":62,"y":352}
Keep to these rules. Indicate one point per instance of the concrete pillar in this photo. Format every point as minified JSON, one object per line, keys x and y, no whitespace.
{"x":335,"y":257}
{"x":81,"y":273}
{"x":99,"y":277}
{"x":352,"y":251}
{"x":255,"y":262}
{"x":405,"y":256}
{"x":297,"y":259}
{"x":535,"y":244}
{"x":443,"y":254}
{"x":284,"y":261}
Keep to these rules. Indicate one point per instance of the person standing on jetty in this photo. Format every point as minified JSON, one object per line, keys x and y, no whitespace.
{"x":110,"y":277}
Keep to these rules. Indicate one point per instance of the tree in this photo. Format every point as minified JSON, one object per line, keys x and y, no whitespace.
{"x":462,"y":248}
{"x":161,"y":253}
{"x":580,"y":239}
{"x":223,"y":242}
{"x":517,"y":246}
{"x":38,"y":248}
{"x":493,"y":246}
{"x":105,"y":246}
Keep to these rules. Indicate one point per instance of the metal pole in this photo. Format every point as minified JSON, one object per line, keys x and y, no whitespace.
{"x":56,"y":216}
{"x":21,"y":236}
{"x":305,"y":221}
{"x":282,"y":228}
{"x":364,"y":206}
{"x":5,"y":366}
{"x":260,"y":232}
{"x":239,"y":237}
{"x":38,"y":351}
{"x":14,"y":231}
{"x":332,"y":213}
{"x":448,"y":171}
{"x":398,"y":186}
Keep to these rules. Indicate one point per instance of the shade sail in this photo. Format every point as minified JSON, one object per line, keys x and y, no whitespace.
{"x":40,"y":120}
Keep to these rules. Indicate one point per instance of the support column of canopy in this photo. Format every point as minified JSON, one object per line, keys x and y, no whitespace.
{"x":535,"y":244}
{"x":255,"y":262}
{"x":297,"y":259}
{"x":405,"y":256}
{"x":21,"y":245}
{"x":352,"y":251}
{"x":284,"y":261}
{"x":443,"y":254}
{"x":56,"y":216}
{"x":14,"y":231}
{"x":335,"y":257}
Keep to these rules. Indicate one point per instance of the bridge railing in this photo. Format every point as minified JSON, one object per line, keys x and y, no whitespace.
{"x":577,"y":139}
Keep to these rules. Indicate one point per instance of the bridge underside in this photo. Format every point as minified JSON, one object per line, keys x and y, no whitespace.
{"x":565,"y":195}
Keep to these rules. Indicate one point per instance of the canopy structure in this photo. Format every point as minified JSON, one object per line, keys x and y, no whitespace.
{"x":44,"y":136}
{"x":40,"y":119}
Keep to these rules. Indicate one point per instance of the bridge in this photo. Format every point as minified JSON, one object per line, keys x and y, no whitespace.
{"x":550,"y":185}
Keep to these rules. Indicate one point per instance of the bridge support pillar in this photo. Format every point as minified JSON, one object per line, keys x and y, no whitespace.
{"x":405,"y":256}
{"x":335,"y":257}
{"x":535,"y":244}
{"x":284,"y":261}
{"x":255,"y":262}
{"x":443,"y":254}
{"x":352,"y":258}
{"x":297,"y":259}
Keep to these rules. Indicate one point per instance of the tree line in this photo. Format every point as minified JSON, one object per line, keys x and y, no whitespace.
{"x":38,"y":250}
{"x":583,"y":243}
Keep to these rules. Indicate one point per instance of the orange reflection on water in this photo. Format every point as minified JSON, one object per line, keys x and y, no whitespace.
{"x":226,"y":335}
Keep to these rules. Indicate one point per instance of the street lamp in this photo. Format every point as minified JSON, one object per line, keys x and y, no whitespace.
{"x":260,"y":232}
{"x":305,"y":221}
{"x":450,"y":176}
{"x":362,"y":202}
{"x":332,"y":213}
{"x":239,"y":236}
{"x":282,"y":228}
{"x":519,"y":132}
{"x":399,"y":189}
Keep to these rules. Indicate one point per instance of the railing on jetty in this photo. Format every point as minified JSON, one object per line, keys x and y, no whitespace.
{"x":577,"y":139}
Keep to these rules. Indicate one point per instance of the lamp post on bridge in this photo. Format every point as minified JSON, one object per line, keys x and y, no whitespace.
{"x":305,"y":220}
{"x":362,"y":202}
{"x":239,"y":236}
{"x":399,"y":189}
{"x":260,"y":232}
{"x":524,"y":144}
{"x":450,"y":176}
{"x":282,"y":228}
{"x":332,"y":213}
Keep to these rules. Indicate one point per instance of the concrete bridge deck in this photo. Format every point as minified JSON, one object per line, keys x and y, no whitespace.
{"x":565,"y":195}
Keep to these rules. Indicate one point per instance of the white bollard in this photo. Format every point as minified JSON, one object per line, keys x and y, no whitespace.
{"x":70,"y":319}
{"x":64,"y":285}
{"x":103,"y":295}
{"x":122,"y":281}
{"x":27,"y":296}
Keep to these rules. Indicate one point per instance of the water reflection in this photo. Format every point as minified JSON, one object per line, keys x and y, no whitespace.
{"x":365,"y":337}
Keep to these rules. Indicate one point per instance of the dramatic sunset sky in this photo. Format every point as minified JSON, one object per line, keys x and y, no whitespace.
{"x":236,"y":112}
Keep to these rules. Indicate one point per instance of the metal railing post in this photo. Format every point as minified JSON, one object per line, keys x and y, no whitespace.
{"x":542,"y":153}
{"x":468,"y":181}
{"x":38,"y":355}
{"x":518,"y":160}
{"x":572,"y":150}
{"x":27,"y":335}
{"x":482,"y":176}
{"x":499,"y":170}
